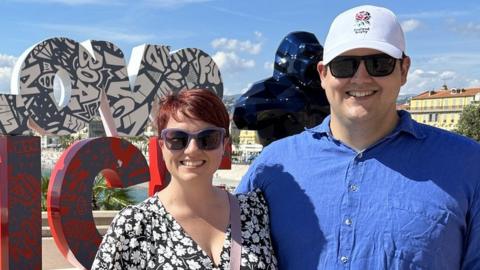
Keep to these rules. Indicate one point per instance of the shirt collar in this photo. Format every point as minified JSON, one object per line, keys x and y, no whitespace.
{"x":405,"y":124}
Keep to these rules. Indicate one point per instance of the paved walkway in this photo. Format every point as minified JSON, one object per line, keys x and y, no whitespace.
{"x":230,"y":178}
{"x":51,"y":256}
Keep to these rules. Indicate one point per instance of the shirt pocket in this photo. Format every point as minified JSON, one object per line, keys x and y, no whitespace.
{"x":414,"y":233}
{"x":417,"y":220}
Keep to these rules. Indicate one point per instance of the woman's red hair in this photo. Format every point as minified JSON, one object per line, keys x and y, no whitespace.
{"x":198,"y":104}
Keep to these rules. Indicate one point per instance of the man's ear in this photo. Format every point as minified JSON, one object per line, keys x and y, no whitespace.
{"x":322,"y":72}
{"x":404,"y":68}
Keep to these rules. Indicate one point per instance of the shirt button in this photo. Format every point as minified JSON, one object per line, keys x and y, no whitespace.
{"x":344,"y":259}
{"x":348,"y":222}
{"x":353,"y":188}
{"x":360,"y":155}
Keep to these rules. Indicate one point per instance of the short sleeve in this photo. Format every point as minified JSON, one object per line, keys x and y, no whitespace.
{"x":257,"y":249}
{"x":248,"y":182}
{"x":254,"y":201}
{"x":255,"y":177}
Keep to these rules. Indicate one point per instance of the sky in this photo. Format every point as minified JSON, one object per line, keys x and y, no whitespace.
{"x":242,"y":36}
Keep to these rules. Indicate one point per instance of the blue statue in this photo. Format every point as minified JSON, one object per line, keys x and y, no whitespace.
{"x":292,"y":98}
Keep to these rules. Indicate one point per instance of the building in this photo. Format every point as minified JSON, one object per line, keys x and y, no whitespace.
{"x":442,"y":108}
{"x":248,"y":137}
{"x":49,"y":141}
{"x":95,"y":128}
{"x":234,"y":132}
{"x":248,"y":146}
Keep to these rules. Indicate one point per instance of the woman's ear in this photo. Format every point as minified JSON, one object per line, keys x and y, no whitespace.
{"x":160,"y":143}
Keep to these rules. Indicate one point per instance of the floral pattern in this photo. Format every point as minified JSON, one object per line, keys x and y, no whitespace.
{"x":146,"y":236}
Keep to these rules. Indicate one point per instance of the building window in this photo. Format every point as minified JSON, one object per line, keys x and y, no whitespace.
{"x":433,"y":117}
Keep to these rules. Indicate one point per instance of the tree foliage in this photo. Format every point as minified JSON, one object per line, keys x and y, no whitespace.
{"x":44,"y":188}
{"x":103,"y":197}
{"x":469,"y":123}
{"x":107,"y":198}
{"x":66,"y":141}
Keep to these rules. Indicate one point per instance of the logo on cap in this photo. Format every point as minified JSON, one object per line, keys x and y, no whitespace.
{"x":362,"y":22}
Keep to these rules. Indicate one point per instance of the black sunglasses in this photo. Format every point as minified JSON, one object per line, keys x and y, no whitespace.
{"x":178,"y":139}
{"x":377,"y":65}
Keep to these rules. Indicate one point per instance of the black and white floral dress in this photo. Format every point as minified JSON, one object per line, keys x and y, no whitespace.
{"x":146,"y":236}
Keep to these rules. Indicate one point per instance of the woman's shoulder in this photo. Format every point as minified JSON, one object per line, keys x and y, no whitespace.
{"x":123,"y":246}
{"x":149,"y":206}
{"x":135,"y":218}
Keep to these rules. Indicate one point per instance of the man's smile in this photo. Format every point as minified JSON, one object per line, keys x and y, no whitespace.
{"x":354,"y":93}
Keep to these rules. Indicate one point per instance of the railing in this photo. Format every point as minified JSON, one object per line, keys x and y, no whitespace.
{"x":458,"y":108}
{"x":102,"y":221}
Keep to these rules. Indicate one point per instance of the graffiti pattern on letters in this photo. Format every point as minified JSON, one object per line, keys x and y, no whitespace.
{"x":154,"y":72}
{"x":63,"y":83}
{"x":13,"y":116}
{"x":68,"y":62}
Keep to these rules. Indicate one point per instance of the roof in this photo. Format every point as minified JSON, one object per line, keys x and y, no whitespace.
{"x":470,"y":92}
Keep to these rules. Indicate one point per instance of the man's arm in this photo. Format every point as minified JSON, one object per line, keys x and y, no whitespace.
{"x":249,"y":181}
{"x":257,"y":173}
{"x":471,"y":259}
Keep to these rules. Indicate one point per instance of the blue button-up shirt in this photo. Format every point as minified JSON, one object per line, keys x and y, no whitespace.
{"x":410,"y":201}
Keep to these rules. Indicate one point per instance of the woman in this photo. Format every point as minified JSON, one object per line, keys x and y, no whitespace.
{"x":187,"y":224}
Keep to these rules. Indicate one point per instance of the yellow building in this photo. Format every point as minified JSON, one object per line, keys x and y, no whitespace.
{"x":442,"y":108}
{"x":248,"y":137}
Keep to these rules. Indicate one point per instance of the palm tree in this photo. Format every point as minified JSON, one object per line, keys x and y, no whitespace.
{"x":107,"y":198}
{"x":44,"y":187}
{"x":66,"y":141}
{"x":103,"y":197}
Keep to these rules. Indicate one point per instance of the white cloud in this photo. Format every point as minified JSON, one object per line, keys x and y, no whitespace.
{"x":230,"y":61}
{"x":268,"y":65}
{"x":410,"y":25}
{"x":231,"y":54}
{"x":438,"y":14}
{"x":75,"y":2}
{"x":173,"y":3}
{"x":166,"y":4}
{"x":461,"y":61}
{"x":448,"y":75}
{"x":7,"y":60}
{"x":238,"y":45}
{"x":245,"y":15}
{"x":420,"y":80}
{"x":424,"y":74}
{"x":5,"y":74}
{"x":469,"y":29}
{"x":246,"y":88}
{"x":100,"y":33}
{"x":473,"y":83}
{"x":6,"y":65}
{"x":431,"y":72}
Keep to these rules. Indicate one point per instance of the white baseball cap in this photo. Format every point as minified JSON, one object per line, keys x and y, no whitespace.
{"x":364,"y":27}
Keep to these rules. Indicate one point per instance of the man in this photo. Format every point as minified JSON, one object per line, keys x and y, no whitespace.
{"x":370,"y":188}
